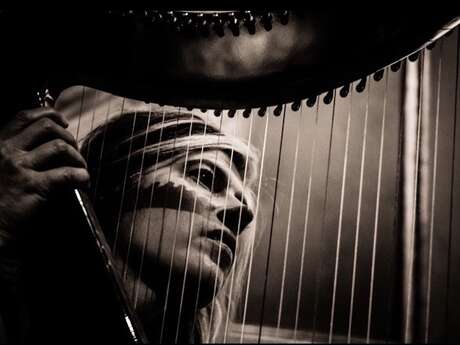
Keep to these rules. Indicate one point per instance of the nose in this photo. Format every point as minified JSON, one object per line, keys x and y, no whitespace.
{"x":236,"y":216}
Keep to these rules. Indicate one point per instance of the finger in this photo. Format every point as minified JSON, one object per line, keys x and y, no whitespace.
{"x":64,"y":177}
{"x":25,"y":117}
{"x":32,"y":115}
{"x":41,"y":131}
{"x":53,"y":154}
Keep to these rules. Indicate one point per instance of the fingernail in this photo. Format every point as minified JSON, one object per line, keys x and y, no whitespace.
{"x":65,"y":122}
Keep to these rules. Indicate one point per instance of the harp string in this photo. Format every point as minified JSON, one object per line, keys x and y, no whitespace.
{"x":321,"y":244}
{"x":150,"y":292}
{"x":358,"y":223}
{"x":291,"y":203}
{"x":267,"y":265}
{"x":396,"y":198}
{"x":164,"y":208}
{"x":211,"y":316}
{"x":136,"y":200}
{"x":125,"y":177}
{"x":190,"y":236}
{"x":457,"y":96}
{"x":147,"y":230}
{"x":93,"y":114}
{"x":98,"y":173}
{"x":82,"y":100}
{"x":408,"y":322}
{"x":165,"y":307}
{"x":122,"y":203}
{"x":200,"y":272}
{"x":433,"y":196}
{"x":377,"y":211}
{"x":339,"y":232}
{"x":251,"y":254}
{"x":229,"y":305}
{"x":179,"y":209}
{"x":213,"y":303}
{"x":306,"y":221}
{"x":175,"y":228}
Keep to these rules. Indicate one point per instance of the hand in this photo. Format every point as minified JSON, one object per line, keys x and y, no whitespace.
{"x":38,"y":157}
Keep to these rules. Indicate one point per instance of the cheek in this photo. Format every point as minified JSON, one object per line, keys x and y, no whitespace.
{"x":159,"y":240}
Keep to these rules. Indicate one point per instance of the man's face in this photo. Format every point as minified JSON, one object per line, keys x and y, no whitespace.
{"x":200,"y":240}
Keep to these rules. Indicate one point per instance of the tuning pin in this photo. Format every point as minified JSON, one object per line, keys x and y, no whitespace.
{"x":278,"y":110}
{"x":171,"y":17}
{"x":234,"y":24}
{"x":157,"y":17}
{"x":329,"y":97}
{"x":361,"y":86}
{"x":413,"y":57}
{"x":231,"y":113}
{"x":189,"y":108}
{"x":431,"y":45}
{"x":262,"y":111}
{"x":217,"y":112}
{"x":295,"y":106}
{"x":311,"y":102}
{"x":396,"y":66}
{"x":203,"y":110}
{"x":267,"y":20}
{"x":246,"y":112}
{"x":186,"y":23}
{"x":284,"y":17}
{"x":379,"y":75}
{"x":202,"y":25}
{"x":344,"y":91}
{"x":250,"y":23}
{"x":218,"y":25}
{"x":44,"y":98}
{"x":179,"y":26}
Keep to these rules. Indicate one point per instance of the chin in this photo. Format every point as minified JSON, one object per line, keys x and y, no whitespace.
{"x":205,"y":279}
{"x":212,"y":281}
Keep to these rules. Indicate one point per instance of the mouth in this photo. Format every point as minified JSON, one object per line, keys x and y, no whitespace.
{"x":226,"y":241}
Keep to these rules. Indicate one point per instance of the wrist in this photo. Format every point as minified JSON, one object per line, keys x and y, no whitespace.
{"x":5,"y":239}
{"x":9,"y":257}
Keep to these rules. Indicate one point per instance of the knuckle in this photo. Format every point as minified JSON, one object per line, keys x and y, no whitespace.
{"x":23,"y":115}
{"x":67,"y":175}
{"x":47,"y":125}
{"x":9,"y":161}
{"x":4,"y":151}
{"x":27,"y":182}
{"x":60,"y":146}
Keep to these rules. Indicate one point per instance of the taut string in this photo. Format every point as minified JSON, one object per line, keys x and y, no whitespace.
{"x":251,"y":255}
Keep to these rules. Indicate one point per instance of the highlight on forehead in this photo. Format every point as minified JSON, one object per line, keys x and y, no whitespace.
{"x":159,"y":138}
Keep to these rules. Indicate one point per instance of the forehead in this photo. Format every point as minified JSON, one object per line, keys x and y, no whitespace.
{"x":86,"y":109}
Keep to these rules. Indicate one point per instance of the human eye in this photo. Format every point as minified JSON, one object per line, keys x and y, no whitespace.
{"x":210,"y":177}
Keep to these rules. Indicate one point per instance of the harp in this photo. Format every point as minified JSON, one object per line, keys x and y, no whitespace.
{"x":360,"y":244}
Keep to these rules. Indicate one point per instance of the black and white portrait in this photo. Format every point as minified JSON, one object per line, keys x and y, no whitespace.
{"x":231,"y":177}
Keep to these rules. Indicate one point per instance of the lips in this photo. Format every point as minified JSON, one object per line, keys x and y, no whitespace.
{"x":225,"y":239}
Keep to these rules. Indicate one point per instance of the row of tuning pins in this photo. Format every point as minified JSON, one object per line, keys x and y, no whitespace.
{"x":204,"y":23}
{"x":311,"y":101}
